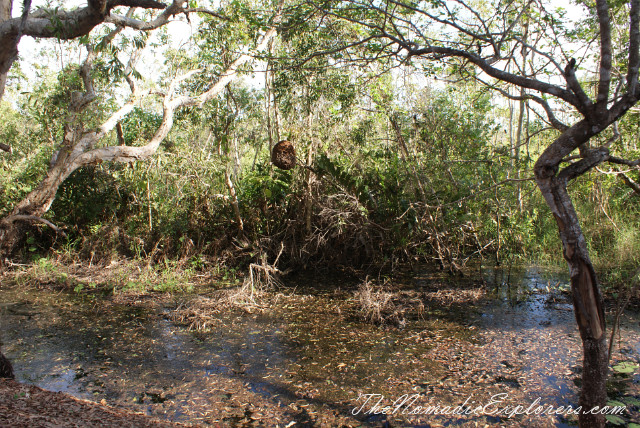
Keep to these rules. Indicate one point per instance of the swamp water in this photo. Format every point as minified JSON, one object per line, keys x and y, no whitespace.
{"x":310,"y":361}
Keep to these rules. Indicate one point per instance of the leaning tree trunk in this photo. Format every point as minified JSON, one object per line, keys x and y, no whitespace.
{"x":587,"y":304}
{"x":587,"y":300}
{"x":33,"y":206}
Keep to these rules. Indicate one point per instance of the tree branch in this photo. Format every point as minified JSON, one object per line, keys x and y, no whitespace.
{"x":170,"y":104}
{"x":584,"y":103}
{"x":496,"y":73}
{"x":634,"y":47}
{"x":630,"y":183}
{"x":604,"y":20}
{"x":65,"y":25}
{"x":553,"y":120}
{"x":620,"y":161}
{"x":22,"y":217}
{"x":591,"y":159}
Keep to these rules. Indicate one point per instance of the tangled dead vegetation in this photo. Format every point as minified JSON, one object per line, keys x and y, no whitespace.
{"x":453,"y":296}
{"x":381,"y":304}
{"x":262,"y":278}
{"x":377,"y":305}
{"x":341,"y":234}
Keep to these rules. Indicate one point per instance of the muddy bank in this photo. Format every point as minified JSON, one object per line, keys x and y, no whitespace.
{"x":310,"y":359}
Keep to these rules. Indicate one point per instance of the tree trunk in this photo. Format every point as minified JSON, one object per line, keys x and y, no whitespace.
{"x":32,"y":207}
{"x":587,"y":300}
{"x":234,"y":200}
{"x":5,"y":13}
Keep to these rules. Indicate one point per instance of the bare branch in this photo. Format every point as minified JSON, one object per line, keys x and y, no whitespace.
{"x":634,"y":47}
{"x":205,"y":12}
{"x":170,"y":104}
{"x":497,"y":73}
{"x":590,"y":159}
{"x":604,"y":20}
{"x":630,"y":183}
{"x":33,"y":218}
{"x":620,"y":161}
{"x":584,"y":103}
{"x":553,"y":120}
{"x":162,"y":19}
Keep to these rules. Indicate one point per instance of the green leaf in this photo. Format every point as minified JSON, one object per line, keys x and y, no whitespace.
{"x":625,"y":367}
{"x":631,"y":401}
{"x":616,"y":420}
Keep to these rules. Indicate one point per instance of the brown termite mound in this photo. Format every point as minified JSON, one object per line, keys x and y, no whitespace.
{"x":283,"y":155}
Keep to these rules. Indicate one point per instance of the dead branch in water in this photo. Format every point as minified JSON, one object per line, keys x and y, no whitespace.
{"x":263,"y":277}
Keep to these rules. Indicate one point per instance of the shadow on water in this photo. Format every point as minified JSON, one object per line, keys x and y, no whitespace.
{"x":306,"y":358}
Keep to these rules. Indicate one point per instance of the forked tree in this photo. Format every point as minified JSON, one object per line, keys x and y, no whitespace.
{"x":532,"y":45}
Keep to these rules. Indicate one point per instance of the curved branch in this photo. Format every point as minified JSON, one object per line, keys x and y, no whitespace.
{"x":494,"y":72}
{"x":170,"y":105}
{"x":591,"y":159}
{"x":553,"y":120}
{"x":66,"y":25}
{"x":33,"y":218}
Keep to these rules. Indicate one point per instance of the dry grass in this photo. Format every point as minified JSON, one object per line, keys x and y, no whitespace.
{"x":378,"y":306}
{"x":455,"y":296}
{"x":200,"y":313}
{"x":119,"y":276}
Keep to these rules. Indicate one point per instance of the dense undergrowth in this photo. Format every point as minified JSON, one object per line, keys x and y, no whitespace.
{"x":391,"y":180}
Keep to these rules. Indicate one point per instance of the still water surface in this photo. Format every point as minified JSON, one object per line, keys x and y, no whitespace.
{"x":309,"y":356}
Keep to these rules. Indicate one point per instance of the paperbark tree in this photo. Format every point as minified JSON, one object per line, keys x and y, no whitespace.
{"x":483,"y":42}
{"x":79,"y":146}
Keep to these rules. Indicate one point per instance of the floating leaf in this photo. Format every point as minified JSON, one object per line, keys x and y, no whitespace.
{"x":616,"y":420}
{"x":625,"y":367}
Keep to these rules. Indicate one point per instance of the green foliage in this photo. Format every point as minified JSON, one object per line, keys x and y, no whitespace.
{"x":139,"y":126}
{"x":409,"y":170}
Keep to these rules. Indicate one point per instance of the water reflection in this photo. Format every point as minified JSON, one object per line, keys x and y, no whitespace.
{"x":305,"y":358}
